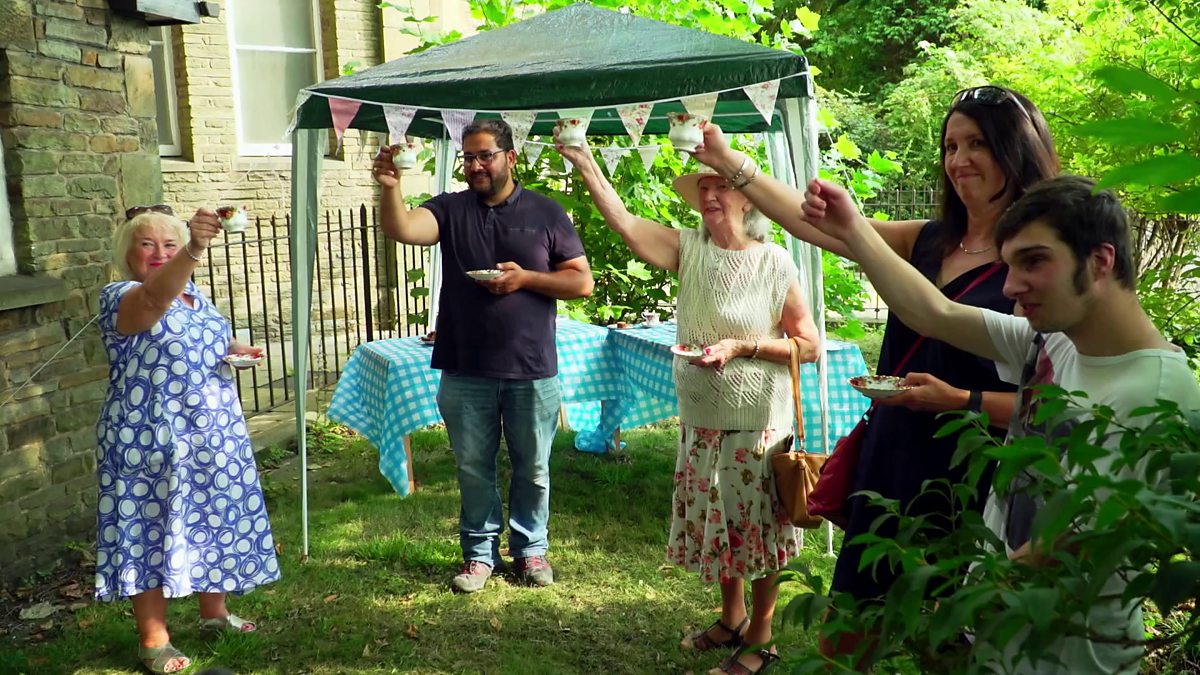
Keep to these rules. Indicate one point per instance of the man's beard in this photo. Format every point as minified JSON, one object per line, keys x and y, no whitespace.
{"x":495,"y":183}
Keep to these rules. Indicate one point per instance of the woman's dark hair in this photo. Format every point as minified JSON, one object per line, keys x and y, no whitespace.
{"x":1019,"y":139}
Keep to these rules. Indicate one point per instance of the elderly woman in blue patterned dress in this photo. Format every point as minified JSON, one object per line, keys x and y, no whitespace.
{"x":180,"y":508}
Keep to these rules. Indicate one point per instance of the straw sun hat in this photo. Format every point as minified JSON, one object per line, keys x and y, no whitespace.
{"x":688,"y":185}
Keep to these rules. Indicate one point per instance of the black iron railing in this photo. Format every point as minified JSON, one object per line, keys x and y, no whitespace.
{"x":365,"y":287}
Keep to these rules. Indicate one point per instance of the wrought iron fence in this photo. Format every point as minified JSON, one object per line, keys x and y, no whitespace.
{"x":365,"y":287}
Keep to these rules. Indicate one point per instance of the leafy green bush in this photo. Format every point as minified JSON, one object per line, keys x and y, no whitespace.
{"x":1129,"y":513}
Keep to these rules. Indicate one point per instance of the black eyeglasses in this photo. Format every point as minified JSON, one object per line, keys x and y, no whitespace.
{"x":989,"y":95}
{"x":135,"y":211}
{"x":484,"y":158}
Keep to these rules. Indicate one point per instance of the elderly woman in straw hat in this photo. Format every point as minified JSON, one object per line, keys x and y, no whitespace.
{"x":739,"y":296}
{"x":180,"y":508}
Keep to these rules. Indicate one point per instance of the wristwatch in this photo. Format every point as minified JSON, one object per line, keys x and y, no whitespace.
{"x":975,"y":400}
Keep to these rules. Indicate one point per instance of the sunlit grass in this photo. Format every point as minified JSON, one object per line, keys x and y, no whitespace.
{"x":373,"y":598}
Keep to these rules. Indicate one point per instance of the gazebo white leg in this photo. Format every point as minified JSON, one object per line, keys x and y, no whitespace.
{"x":829,"y":538}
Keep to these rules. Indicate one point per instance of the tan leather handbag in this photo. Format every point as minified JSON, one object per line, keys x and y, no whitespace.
{"x":796,"y":472}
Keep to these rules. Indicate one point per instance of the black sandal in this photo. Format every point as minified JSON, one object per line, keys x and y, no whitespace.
{"x":703,"y":642}
{"x":732,"y":666}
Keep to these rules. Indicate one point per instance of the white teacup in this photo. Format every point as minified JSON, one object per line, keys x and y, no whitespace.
{"x":687,"y":131}
{"x":571,"y":131}
{"x":650,"y":318}
{"x":405,"y":157}
{"x":234,"y":219}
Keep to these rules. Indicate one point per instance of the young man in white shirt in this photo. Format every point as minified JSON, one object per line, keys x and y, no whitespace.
{"x":1083,"y":329}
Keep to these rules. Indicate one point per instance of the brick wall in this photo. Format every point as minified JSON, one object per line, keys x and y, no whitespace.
{"x":79,"y":134}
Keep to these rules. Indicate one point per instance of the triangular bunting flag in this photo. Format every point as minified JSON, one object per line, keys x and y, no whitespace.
{"x":635,"y":118}
{"x":398,"y":118}
{"x":568,"y":167}
{"x":456,"y":121}
{"x":342,"y":110}
{"x":584,"y":114}
{"x":294,"y":114}
{"x":648,"y":154}
{"x":701,"y":105}
{"x":533,"y":150}
{"x":521,"y":122}
{"x":763,"y":95}
{"x":612,"y":155}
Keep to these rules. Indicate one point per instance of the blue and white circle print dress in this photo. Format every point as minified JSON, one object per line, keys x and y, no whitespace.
{"x":180,"y":507}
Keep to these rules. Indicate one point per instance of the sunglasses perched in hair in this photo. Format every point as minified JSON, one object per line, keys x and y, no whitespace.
{"x":135,"y":211}
{"x":989,"y":95}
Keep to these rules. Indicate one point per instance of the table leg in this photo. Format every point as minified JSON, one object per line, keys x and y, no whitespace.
{"x":562,"y":418}
{"x":408,"y":465}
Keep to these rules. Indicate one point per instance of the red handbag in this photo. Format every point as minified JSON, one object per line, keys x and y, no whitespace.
{"x":832,"y":493}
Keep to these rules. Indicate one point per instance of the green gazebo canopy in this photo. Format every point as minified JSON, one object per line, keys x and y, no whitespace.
{"x":577,"y":57}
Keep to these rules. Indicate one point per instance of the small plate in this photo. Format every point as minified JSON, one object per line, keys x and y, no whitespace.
{"x":877,"y":387}
{"x":484,"y":275}
{"x":618,"y":326}
{"x":425,"y":341}
{"x":242,"y":362}
{"x":688,"y":351}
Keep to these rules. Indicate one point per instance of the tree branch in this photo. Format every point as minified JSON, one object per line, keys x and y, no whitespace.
{"x":1171,"y":21}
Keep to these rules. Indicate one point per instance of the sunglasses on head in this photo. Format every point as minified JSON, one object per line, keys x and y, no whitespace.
{"x":989,"y":95}
{"x":135,"y":211}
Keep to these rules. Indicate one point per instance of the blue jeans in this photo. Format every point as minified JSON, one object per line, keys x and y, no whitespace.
{"x":475,"y":410}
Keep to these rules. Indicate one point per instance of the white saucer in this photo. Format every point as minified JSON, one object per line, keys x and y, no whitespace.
{"x":242,"y":362}
{"x":681,"y":351}
{"x":877,"y":387}
{"x":484,"y":275}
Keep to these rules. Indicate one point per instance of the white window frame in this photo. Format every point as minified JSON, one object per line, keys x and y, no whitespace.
{"x":167,"y":47}
{"x":8,"y":250}
{"x":284,"y":146}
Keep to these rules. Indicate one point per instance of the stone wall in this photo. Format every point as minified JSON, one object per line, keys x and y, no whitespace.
{"x":77,"y":121}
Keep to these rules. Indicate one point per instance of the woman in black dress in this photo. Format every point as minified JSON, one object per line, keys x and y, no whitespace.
{"x":995,"y":145}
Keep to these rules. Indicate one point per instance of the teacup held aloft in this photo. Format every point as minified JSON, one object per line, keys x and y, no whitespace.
{"x":571,"y":131}
{"x":687,"y":131}
{"x":405,"y":155}
{"x":234,"y":219}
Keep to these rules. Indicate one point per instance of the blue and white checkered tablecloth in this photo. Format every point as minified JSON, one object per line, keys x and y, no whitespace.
{"x":645,"y":357}
{"x":387,"y":390}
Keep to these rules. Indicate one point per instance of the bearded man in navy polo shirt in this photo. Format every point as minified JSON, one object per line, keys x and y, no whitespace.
{"x":495,"y":341}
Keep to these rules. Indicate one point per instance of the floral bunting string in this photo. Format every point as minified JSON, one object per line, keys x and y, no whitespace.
{"x":763,"y":96}
{"x":648,"y":155}
{"x":634,"y":117}
{"x":521,"y":122}
{"x":398,"y":118}
{"x":701,"y":105}
{"x":342,"y":110}
{"x":612,"y":155}
{"x":456,"y":121}
{"x":533,"y":150}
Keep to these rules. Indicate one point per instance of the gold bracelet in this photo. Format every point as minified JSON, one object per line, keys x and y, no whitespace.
{"x":756,"y":346}
{"x":188,"y":249}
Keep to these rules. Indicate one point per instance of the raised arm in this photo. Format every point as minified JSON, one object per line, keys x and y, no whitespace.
{"x":650,"y":241}
{"x":781,"y":202}
{"x":911,"y":296}
{"x":398,"y":223}
{"x":145,"y":305}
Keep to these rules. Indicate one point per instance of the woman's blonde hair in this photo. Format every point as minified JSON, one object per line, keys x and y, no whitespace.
{"x":123,"y":236}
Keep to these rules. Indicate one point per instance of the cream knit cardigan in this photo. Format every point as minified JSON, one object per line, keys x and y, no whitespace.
{"x":739,"y":295}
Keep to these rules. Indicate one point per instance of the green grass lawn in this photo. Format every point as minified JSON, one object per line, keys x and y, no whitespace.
{"x":373,"y":597}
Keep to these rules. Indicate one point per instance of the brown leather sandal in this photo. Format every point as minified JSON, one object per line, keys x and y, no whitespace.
{"x":703,"y":642}
{"x":732,"y":666}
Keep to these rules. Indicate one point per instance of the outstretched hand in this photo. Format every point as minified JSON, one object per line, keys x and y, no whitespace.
{"x":928,"y":394}
{"x":714,"y":150}
{"x":830,"y":208}
{"x":383,"y":170}
{"x":511,"y":281}
{"x":577,"y":156}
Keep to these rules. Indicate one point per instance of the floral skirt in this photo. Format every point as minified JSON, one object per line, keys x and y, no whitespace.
{"x":726,"y":520}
